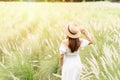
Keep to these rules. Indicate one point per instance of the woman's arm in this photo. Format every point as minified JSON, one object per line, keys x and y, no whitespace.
{"x":61,"y":60}
{"x":86,"y":35}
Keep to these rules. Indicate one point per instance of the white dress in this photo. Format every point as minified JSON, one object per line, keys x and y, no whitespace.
{"x":72,"y":65}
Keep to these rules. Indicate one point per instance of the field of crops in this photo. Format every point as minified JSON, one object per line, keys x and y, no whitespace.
{"x":31,"y":33}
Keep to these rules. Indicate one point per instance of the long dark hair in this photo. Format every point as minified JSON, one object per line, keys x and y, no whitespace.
{"x":74,"y":43}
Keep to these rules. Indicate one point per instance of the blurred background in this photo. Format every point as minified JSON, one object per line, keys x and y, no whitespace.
{"x":31,"y":32}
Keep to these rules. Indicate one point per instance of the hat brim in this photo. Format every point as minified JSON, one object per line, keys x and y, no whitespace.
{"x":77,"y":35}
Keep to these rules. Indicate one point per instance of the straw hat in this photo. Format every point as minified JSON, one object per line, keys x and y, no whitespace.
{"x":72,"y":30}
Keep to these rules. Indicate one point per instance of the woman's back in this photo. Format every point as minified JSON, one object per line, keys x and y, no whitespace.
{"x":72,"y":66}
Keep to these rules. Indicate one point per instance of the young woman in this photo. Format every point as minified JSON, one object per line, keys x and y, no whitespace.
{"x":70,"y":62}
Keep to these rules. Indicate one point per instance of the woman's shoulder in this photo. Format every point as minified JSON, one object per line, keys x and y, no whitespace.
{"x":84,"y":42}
{"x":65,"y":42}
{"x":63,"y":46}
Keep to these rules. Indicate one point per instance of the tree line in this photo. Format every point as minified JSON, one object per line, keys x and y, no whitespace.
{"x":61,"y":0}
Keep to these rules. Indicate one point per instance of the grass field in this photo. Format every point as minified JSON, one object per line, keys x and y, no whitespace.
{"x":31,"y":33}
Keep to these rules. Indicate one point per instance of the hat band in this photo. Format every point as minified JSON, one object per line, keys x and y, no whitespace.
{"x":70,"y":31}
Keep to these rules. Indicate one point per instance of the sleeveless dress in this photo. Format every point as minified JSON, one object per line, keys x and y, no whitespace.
{"x":72,"y":65}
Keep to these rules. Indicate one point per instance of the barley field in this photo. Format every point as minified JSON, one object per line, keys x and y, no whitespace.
{"x":31,"y":33}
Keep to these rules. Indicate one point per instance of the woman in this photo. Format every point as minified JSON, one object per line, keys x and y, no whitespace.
{"x":70,"y":62}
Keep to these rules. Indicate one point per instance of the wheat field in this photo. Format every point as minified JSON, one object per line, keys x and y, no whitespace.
{"x":31,"y":33}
